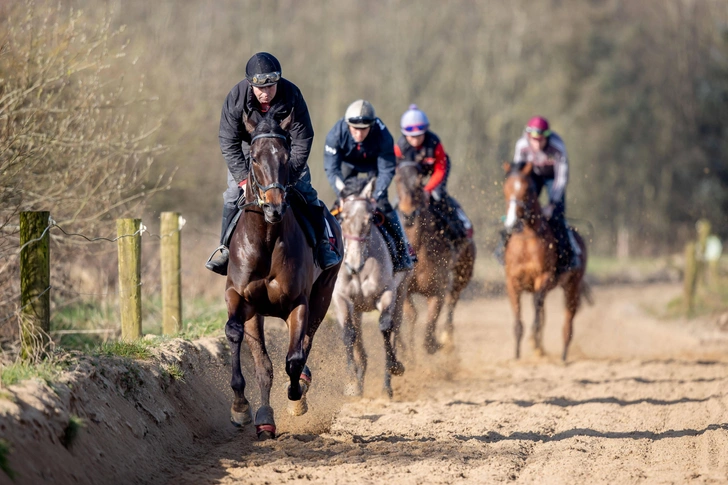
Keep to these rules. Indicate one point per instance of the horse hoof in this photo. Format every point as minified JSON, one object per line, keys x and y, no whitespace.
{"x":298,"y":408}
{"x":352,"y":389}
{"x":241,"y":418}
{"x":431,"y":346}
{"x":265,"y":431}
{"x":397,"y":369}
{"x":539,"y":352}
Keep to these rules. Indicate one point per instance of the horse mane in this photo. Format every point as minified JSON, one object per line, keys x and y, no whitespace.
{"x":353,"y":186}
{"x":268,"y":124}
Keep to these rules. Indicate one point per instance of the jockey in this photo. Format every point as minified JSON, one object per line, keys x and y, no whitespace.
{"x":547,"y":152}
{"x":263,"y":89}
{"x":360,"y":143}
{"x":419,"y":144}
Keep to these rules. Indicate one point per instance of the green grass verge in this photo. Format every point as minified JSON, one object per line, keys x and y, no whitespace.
{"x":131,"y":350}
{"x":20,"y":371}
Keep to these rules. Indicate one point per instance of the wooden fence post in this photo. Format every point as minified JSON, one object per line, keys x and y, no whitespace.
{"x":690,"y":277}
{"x":129,"y":244}
{"x":35,"y":281}
{"x":171,"y":274}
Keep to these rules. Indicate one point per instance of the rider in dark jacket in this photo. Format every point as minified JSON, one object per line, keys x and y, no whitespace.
{"x":264,"y":89}
{"x":419,"y":144}
{"x":360,"y":143}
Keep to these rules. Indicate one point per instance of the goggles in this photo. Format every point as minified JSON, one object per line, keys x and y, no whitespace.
{"x":415,"y":128}
{"x":265,"y":79}
{"x":360,"y":120}
{"x":537,"y":133}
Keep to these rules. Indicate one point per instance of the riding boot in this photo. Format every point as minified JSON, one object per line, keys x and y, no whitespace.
{"x":563,"y":245}
{"x":401,"y":259}
{"x":325,"y":252}
{"x":500,"y":250}
{"x":219,"y":265}
{"x":463,"y":219}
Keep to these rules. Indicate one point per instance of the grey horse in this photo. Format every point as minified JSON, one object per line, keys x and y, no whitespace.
{"x":366,"y":283}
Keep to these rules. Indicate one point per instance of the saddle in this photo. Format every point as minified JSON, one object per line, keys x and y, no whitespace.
{"x":300,"y":210}
{"x":447,"y":221}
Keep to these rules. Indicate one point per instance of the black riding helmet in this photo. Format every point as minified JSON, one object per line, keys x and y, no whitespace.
{"x":263,"y":70}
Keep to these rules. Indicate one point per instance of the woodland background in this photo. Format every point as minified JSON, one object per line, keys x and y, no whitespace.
{"x":110,"y":108}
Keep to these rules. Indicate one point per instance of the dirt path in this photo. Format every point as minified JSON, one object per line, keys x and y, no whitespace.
{"x":642,"y":400}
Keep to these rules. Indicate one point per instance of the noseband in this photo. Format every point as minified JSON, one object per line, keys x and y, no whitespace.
{"x":265,"y":188}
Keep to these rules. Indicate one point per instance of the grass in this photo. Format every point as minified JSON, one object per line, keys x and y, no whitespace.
{"x":138,"y":349}
{"x":72,"y":430}
{"x":20,"y":371}
{"x":175,"y":372}
{"x":4,"y":465}
{"x":709,"y":299}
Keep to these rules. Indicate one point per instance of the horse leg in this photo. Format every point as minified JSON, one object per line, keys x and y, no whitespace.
{"x":515,"y":296}
{"x":409,"y":316}
{"x":387,"y":307}
{"x":238,"y":310}
{"x":572,"y":297}
{"x":539,"y":298}
{"x":434,"y":306}
{"x":448,"y":338}
{"x":265,"y":425}
{"x":355,"y":354}
{"x":296,"y":359}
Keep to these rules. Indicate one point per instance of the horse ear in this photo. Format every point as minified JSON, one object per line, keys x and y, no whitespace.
{"x":369,"y":188}
{"x":249,"y":124}
{"x":286,"y":123}
{"x":527,"y":168}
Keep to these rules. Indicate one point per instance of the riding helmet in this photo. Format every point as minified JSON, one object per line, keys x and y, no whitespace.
{"x":414,"y":121}
{"x":262,"y":70}
{"x":360,"y":114}
{"x":538,"y":127}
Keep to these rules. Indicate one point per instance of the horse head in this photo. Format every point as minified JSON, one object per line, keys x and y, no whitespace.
{"x":268,"y":179}
{"x":410,"y":191}
{"x":358,"y":213}
{"x":521,"y":200}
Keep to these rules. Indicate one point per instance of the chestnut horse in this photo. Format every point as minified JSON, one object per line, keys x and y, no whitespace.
{"x":443,"y":269}
{"x":272,"y":273}
{"x":367,"y":282}
{"x":531,"y":256}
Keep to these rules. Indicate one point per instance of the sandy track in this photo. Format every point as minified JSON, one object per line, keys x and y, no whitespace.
{"x":642,"y":400}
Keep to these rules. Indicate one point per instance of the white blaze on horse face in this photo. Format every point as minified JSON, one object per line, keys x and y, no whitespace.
{"x":512,"y":216}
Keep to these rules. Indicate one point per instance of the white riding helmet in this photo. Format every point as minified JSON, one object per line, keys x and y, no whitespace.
{"x":360,"y":114}
{"x":414,"y":122}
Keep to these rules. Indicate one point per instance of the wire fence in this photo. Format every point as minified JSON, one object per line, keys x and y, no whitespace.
{"x":12,"y":264}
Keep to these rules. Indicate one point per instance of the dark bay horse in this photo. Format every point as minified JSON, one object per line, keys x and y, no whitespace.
{"x":443,"y":269}
{"x":531,"y":256}
{"x":367,"y":282}
{"x":272,"y":273}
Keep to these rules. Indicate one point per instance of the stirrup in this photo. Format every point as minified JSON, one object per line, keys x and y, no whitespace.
{"x":220,"y":248}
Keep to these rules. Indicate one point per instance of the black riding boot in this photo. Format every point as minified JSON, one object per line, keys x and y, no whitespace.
{"x":567,"y":258}
{"x":325,"y":252}
{"x":219,"y":265}
{"x":401,"y":259}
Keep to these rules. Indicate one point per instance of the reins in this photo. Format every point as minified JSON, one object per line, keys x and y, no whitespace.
{"x":265,"y":188}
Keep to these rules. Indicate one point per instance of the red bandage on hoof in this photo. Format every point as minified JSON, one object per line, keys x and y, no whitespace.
{"x":261,"y":428}
{"x":305,"y":378}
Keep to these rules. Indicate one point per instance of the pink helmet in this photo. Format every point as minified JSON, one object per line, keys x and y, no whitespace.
{"x":538,"y":127}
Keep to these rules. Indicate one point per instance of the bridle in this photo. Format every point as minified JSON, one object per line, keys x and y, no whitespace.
{"x":265,"y":188}
{"x":409,"y":219}
{"x":361,"y":239}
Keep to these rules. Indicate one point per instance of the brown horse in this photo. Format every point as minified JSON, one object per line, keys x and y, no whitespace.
{"x":272,"y":273}
{"x":531,"y":256}
{"x":443,"y":269}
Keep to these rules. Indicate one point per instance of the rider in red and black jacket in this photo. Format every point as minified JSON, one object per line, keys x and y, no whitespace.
{"x":418,"y":144}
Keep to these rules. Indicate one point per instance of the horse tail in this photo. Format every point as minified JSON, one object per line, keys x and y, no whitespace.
{"x":586,"y":291}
